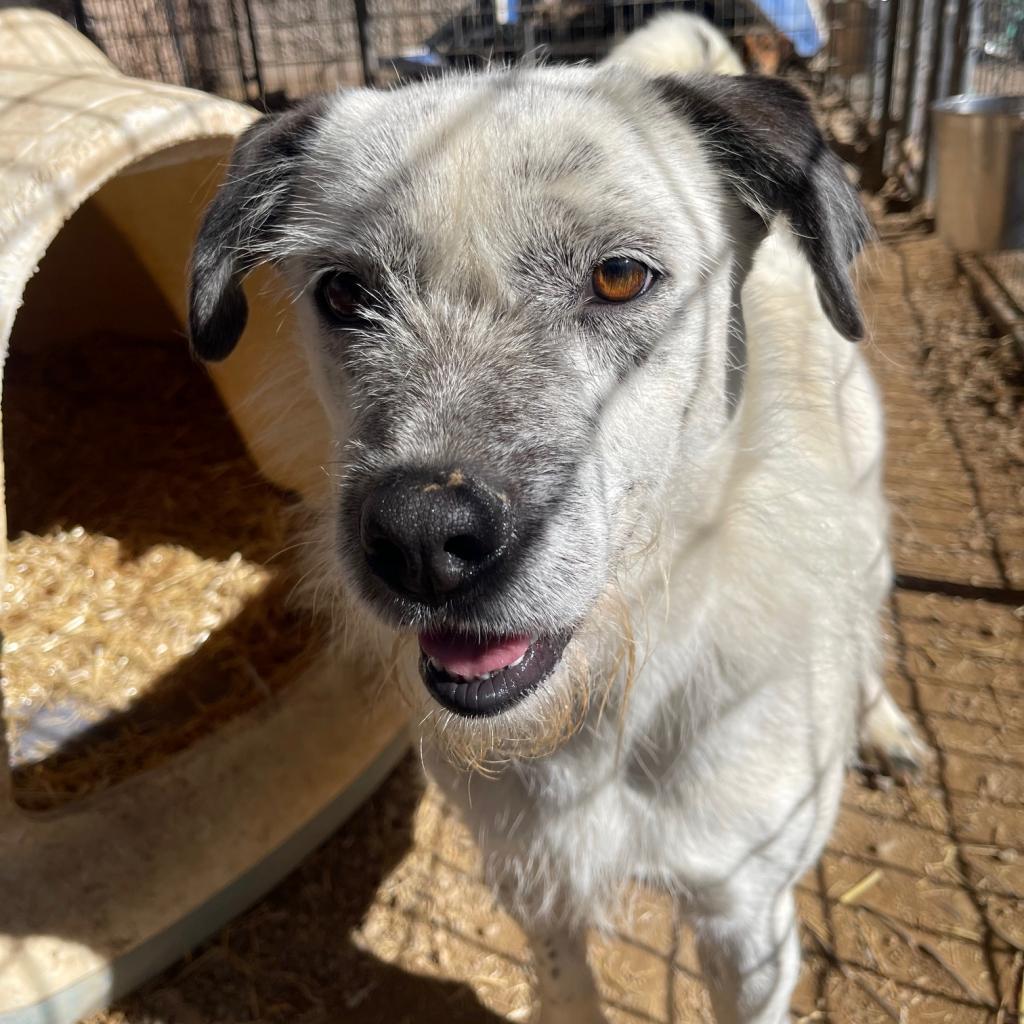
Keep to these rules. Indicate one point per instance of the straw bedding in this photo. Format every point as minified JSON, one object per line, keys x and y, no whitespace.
{"x":147,"y":571}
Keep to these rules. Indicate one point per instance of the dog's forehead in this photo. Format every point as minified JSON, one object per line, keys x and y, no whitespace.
{"x":482,"y":121}
{"x":490,"y":154}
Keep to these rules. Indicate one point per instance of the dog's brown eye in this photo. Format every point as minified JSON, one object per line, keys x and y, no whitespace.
{"x":342,"y":297}
{"x":619,"y":279}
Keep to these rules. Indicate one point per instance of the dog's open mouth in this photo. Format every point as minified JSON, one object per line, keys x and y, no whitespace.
{"x":489,"y":675}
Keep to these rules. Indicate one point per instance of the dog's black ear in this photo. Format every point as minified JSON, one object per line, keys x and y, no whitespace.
{"x":239,"y":224}
{"x":762,"y":135}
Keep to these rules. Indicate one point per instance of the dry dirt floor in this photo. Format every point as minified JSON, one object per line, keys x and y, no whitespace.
{"x":916,"y":912}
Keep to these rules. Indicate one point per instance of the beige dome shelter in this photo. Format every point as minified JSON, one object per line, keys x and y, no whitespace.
{"x":110,"y":577}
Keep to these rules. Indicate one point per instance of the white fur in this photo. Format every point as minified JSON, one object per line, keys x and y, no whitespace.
{"x":676,"y":42}
{"x":753,"y":612}
{"x":758,"y":648}
{"x":719,"y":549}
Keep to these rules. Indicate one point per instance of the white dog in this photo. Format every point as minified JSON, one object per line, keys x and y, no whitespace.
{"x":607,"y":466}
{"x":677,"y":42}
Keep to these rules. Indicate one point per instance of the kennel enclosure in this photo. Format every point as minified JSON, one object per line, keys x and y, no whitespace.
{"x":886,"y":61}
{"x":91,"y":152}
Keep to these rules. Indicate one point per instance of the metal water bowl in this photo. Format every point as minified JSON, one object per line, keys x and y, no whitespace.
{"x":979,"y":149}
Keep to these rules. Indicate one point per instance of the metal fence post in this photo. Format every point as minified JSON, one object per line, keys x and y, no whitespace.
{"x":925,"y":181}
{"x":961,"y":43}
{"x":875,"y":161}
{"x":906,"y":120}
{"x":254,"y":47}
{"x":366,"y":54}
{"x":82,"y":21}
{"x":188,"y":70}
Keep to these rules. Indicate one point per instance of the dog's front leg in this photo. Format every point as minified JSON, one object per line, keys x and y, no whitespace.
{"x":565,"y":985}
{"x":750,"y":957}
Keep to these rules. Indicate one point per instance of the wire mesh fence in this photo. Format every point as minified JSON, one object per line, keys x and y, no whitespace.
{"x":279,"y":50}
{"x":886,"y":57}
{"x":886,"y":61}
{"x":877,"y":65}
{"x":282,"y":49}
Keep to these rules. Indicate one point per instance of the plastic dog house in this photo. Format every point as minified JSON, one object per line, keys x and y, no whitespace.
{"x":103,"y":181}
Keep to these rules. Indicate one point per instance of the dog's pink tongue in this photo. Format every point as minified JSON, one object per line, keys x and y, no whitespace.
{"x":462,"y":656}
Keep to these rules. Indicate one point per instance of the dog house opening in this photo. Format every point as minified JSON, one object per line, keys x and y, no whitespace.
{"x":146,"y":596}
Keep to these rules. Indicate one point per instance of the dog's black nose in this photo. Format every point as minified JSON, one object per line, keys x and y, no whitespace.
{"x":428,"y":534}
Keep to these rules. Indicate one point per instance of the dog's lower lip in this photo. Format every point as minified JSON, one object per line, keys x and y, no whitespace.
{"x":496,"y":691}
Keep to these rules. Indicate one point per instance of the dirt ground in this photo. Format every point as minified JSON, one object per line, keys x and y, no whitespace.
{"x":916,"y":912}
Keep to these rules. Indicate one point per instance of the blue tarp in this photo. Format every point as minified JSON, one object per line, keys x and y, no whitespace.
{"x":793,"y":18}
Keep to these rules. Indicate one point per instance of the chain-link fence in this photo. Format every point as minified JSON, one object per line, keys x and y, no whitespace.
{"x":877,"y":66}
{"x":278,"y":50}
{"x":878,"y":63}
